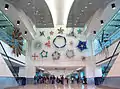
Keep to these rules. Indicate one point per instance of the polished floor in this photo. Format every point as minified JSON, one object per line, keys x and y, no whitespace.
{"x":71,"y":86}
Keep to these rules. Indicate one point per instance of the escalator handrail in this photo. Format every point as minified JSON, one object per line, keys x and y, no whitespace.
{"x":9,"y":61}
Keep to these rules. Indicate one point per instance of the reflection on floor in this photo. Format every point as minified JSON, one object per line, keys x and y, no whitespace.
{"x":71,"y":86}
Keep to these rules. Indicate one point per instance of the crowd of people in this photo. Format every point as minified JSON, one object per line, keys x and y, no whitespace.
{"x":38,"y":79}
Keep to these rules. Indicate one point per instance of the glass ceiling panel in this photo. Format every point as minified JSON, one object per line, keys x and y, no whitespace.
{"x":108,"y":34}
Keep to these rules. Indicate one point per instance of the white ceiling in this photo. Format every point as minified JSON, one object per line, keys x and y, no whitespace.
{"x":41,"y":16}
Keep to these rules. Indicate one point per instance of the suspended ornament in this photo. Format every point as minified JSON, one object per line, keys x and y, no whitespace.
{"x":44,"y":54}
{"x":48,"y":44}
{"x":70,"y":53}
{"x":48,"y":37}
{"x":17,"y":41}
{"x":71,"y":43}
{"x":83,"y":58}
{"x":60,"y":31}
{"x":56,"y":55}
{"x":57,"y":40}
{"x":72,"y":33}
{"x":42,"y":33}
{"x":35,"y":56}
{"x":82,"y":45}
{"x":79,"y":31}
{"x":51,"y":33}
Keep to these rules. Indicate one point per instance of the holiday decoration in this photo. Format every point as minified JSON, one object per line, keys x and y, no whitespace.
{"x":72,"y":33}
{"x":70,"y":53}
{"x":48,"y":37}
{"x":56,"y":55}
{"x":79,"y":31}
{"x":35,"y":56}
{"x":44,"y":54}
{"x":48,"y":44}
{"x":17,"y":41}
{"x":42,"y":33}
{"x":71,"y":43}
{"x":60,"y":31}
{"x":57,"y":39}
{"x":51,"y":33}
{"x":83,"y":58}
{"x":82,"y":45}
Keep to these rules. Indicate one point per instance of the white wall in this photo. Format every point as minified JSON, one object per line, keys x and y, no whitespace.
{"x":4,"y":70}
{"x":63,"y":61}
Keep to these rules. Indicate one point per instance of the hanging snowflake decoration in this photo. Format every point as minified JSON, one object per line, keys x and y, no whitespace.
{"x":60,"y":41}
{"x":82,"y":45}
{"x":56,"y":55}
{"x":70,"y":53}
{"x":51,"y":33}
{"x":44,"y":54}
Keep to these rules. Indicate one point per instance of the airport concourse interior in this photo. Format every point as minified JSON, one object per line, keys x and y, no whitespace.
{"x":59,"y":44}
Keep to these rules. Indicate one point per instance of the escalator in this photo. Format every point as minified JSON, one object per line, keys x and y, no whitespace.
{"x":110,"y":63}
{"x":9,"y":64}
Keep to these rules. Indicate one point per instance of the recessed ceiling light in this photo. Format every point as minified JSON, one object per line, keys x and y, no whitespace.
{"x":18,"y":22}
{"x":25,"y":33}
{"x":33,"y":7}
{"x":102,"y":22}
{"x":90,"y":3}
{"x":6,"y":6}
{"x":113,"y":6}
{"x":82,"y":10}
{"x":86,"y":7}
{"x":29,"y":3}
{"x":44,"y":24}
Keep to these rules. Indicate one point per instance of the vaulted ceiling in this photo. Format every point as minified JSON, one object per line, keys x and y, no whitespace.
{"x":40,"y":14}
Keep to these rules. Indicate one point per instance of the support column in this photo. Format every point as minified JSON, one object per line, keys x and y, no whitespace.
{"x":30,"y":68}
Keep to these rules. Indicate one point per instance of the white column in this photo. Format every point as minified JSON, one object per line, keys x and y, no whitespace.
{"x":30,"y":68}
{"x":90,"y":65}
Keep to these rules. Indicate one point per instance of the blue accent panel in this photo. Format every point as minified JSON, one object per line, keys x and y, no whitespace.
{"x":30,"y":81}
{"x":90,"y":81}
{"x":6,"y":82}
{"x":113,"y":82}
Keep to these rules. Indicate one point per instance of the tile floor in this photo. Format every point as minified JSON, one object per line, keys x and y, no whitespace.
{"x":71,"y":86}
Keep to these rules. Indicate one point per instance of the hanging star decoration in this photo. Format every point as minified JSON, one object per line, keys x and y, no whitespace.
{"x":48,"y":37}
{"x":35,"y":56}
{"x":51,"y":33}
{"x":44,"y":54}
{"x":82,"y":45}
{"x":70,"y":53}
{"x":48,"y":44}
{"x":42,"y":33}
{"x":71,"y":43}
{"x":56,"y":55}
{"x":60,"y":31}
{"x":79,"y":31}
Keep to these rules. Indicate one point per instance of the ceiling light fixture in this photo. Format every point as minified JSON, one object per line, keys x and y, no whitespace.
{"x":18,"y":22}
{"x":90,"y":3}
{"x":25,"y":33}
{"x":86,"y":7}
{"x":29,"y":3}
{"x":82,"y":10}
{"x":102,"y":22}
{"x":6,"y":6}
{"x":113,"y":6}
